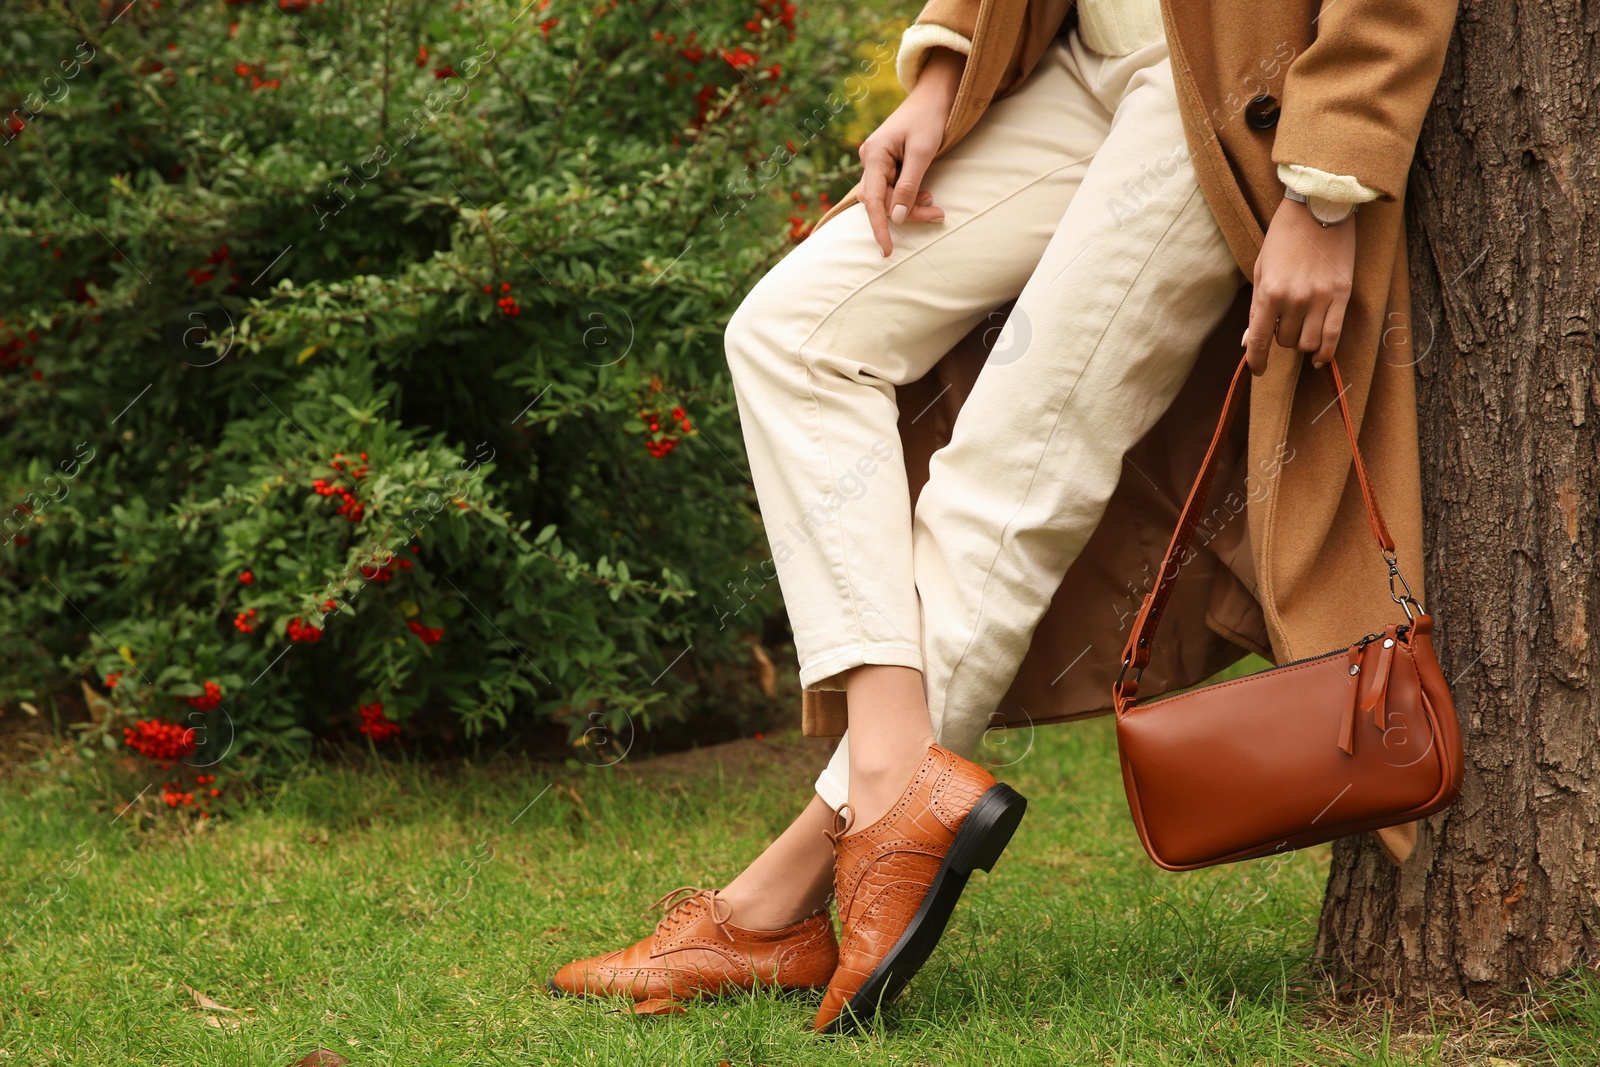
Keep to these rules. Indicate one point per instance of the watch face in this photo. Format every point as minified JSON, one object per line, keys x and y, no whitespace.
{"x":1328,"y":211}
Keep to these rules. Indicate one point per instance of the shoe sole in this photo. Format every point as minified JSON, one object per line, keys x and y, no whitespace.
{"x":984,"y":834}
{"x":782,"y":992}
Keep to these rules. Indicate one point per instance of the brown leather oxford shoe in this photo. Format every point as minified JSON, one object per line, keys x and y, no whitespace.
{"x":695,"y":952}
{"x":897,"y":881}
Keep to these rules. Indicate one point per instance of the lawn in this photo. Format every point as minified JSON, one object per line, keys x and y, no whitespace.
{"x":403,"y":914}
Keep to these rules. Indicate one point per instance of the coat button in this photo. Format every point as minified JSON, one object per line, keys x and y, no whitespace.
{"x":1261,"y":113}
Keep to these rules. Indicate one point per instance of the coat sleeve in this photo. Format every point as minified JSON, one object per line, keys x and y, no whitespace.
{"x":1354,"y":101}
{"x":942,"y":23}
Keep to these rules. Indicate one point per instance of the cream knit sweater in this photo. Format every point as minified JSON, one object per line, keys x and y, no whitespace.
{"x":1119,"y":28}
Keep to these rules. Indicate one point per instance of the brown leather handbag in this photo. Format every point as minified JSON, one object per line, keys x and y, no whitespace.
{"x":1354,"y":739}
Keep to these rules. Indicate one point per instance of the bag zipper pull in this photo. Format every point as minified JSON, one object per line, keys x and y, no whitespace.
{"x":1348,"y":727}
{"x":1377,"y":696}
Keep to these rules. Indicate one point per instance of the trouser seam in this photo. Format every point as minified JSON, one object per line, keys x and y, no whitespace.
{"x":945,"y":232}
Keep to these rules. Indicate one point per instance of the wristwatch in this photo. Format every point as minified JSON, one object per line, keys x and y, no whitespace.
{"x":1326,"y":212}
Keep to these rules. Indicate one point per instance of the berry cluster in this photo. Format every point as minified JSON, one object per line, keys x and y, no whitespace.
{"x":219,"y":255}
{"x":383,"y":572}
{"x":777,"y":14}
{"x":159,"y":740}
{"x":507,"y":303}
{"x":81,"y":294}
{"x":303,"y":631}
{"x":175,"y":796}
{"x":799,"y":227}
{"x":352,"y":509}
{"x":429,"y":635}
{"x":702,"y":103}
{"x":374,"y":724}
{"x":209,"y":702}
{"x":111,"y":679}
{"x":11,"y":347}
{"x":241,"y":622}
{"x":660,"y":443}
{"x":247,"y":70}
{"x":155,"y":66}
{"x":781,"y":12}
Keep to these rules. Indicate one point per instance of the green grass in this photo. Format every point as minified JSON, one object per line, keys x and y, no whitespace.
{"x":398,"y":915}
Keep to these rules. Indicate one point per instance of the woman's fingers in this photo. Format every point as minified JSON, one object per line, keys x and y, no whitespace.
{"x":1332,"y":325}
{"x":1258,"y":335}
{"x":1302,"y":286}
{"x":895,"y":158}
{"x":892,"y":168}
{"x":877,"y":172}
{"x":1292,"y":316}
{"x":925,"y":210}
{"x":1308,"y":338}
{"x":919,"y":149}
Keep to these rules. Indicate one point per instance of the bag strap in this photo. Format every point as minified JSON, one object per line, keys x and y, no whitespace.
{"x":1136,"y":654}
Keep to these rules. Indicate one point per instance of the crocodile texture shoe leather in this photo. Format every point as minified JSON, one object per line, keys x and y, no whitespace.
{"x":897,"y":881}
{"x":694,"y":951}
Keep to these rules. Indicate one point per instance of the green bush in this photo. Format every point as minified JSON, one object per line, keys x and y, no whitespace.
{"x":369,"y":353}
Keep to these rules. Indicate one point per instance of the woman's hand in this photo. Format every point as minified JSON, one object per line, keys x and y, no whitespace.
{"x":1302,"y":285}
{"x":906,"y":142}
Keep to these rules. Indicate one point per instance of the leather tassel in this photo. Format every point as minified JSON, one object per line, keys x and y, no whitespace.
{"x":1377,"y":696}
{"x":1347,"y":729}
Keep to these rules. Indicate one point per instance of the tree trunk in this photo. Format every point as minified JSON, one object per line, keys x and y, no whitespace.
{"x":1504,"y":238}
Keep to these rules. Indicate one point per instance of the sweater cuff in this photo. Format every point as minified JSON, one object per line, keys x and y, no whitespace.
{"x":915,"y":42}
{"x":1339,"y":188}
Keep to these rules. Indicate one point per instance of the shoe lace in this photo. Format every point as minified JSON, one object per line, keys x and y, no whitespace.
{"x":849,"y":821}
{"x":675,"y":909}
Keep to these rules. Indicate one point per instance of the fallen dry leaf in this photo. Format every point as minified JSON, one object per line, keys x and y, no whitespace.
{"x":99,"y":707}
{"x":205,"y":1002}
{"x":766,"y":673}
{"x":320,"y":1057}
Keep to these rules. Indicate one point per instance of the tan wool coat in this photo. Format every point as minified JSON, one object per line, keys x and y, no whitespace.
{"x":1286,"y":565}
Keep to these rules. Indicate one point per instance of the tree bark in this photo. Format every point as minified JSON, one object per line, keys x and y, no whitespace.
{"x":1504,"y":238}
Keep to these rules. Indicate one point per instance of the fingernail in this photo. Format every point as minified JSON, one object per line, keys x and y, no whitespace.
{"x":1244,"y":338}
{"x":898,"y":215}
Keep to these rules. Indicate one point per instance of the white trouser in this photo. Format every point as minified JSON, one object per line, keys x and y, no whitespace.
{"x":1075,"y":192}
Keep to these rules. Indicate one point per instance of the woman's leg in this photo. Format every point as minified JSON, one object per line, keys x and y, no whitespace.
{"x":816,"y":350}
{"x":1100,"y":341}
{"x":794,"y":875}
